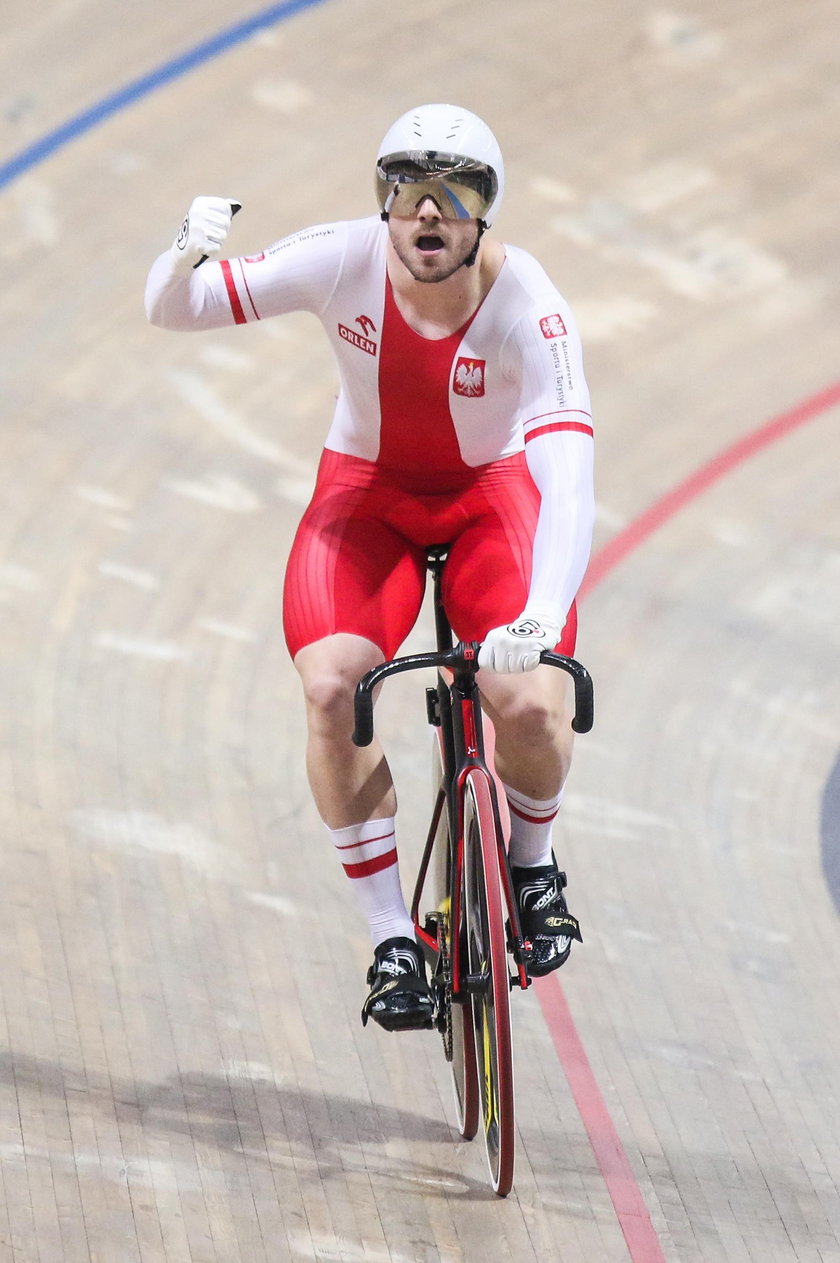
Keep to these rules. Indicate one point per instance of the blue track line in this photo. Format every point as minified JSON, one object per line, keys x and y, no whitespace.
{"x":136,"y":90}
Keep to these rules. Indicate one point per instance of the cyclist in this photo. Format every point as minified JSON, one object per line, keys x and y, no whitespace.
{"x":463,"y":418}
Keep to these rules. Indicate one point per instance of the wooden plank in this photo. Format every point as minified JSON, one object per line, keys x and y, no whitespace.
{"x":183,"y":1074}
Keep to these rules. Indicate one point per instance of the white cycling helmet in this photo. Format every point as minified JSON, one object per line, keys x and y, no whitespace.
{"x":446,"y":153}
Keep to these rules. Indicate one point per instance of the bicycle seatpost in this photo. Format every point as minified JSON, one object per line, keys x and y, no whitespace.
{"x":435,"y":561}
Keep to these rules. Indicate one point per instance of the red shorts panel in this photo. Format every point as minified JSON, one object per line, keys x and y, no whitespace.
{"x":358,"y":561}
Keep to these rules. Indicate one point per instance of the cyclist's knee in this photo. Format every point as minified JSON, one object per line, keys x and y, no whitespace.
{"x":330,"y":669}
{"x":328,"y":695}
{"x":536,"y":719}
{"x":527,"y":706}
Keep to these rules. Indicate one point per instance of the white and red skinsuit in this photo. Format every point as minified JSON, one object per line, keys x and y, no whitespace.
{"x":481,"y":440}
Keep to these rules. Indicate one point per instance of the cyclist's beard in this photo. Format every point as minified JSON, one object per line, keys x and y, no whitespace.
{"x":439,"y":268}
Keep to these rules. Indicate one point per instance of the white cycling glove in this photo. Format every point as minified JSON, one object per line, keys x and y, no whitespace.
{"x":203,"y":232}
{"x":518,"y":646}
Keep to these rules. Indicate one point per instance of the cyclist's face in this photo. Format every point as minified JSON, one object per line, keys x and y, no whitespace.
{"x":431,"y":247}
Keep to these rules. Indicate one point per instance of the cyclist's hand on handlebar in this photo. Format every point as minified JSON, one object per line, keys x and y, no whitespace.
{"x":518,"y":646}
{"x":203,"y":232}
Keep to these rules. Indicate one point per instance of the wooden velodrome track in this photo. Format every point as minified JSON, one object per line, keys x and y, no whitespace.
{"x":183,"y":1072}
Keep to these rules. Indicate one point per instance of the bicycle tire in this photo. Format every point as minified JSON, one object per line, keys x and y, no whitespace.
{"x":485,"y":915}
{"x":457,"y":1032}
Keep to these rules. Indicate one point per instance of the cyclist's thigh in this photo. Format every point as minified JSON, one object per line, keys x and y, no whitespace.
{"x":488,"y":572}
{"x":487,"y":588}
{"x":349,"y":571}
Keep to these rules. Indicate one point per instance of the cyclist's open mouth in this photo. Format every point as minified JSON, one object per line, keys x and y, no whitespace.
{"x":429,"y":244}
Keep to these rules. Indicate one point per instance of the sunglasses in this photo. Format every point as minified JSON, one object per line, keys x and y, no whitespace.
{"x":460,"y":189}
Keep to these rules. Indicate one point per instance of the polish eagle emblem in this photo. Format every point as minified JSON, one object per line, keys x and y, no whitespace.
{"x":469,"y":377}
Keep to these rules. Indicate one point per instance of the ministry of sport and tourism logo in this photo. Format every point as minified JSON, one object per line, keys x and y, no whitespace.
{"x":553,"y":327}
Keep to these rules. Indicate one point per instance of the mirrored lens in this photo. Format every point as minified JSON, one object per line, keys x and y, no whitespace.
{"x":454,"y":201}
{"x":460,"y":189}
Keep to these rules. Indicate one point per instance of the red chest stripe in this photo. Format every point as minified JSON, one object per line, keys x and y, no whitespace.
{"x":417,"y":435}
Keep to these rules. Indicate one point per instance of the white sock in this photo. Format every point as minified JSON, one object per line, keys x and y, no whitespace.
{"x":531,"y":824}
{"x":368,"y":853}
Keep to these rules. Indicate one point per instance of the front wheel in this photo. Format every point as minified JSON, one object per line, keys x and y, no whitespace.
{"x":489,"y":981}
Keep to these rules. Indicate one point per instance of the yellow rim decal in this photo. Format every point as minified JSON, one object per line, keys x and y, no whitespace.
{"x":490,"y":1111}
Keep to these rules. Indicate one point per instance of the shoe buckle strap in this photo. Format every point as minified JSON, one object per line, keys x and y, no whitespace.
{"x":563,"y":925}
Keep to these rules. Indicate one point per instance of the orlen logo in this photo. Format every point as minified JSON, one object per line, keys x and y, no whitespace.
{"x":553,"y":327}
{"x":469,"y":377}
{"x":356,"y":339}
{"x":255,"y":258}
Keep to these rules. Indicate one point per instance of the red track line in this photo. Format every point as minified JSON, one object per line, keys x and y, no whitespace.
{"x":622,"y":1185}
{"x":639,"y":1233}
{"x":662,"y":510}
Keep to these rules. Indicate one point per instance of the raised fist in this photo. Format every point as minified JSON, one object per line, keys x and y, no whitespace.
{"x":203,"y":232}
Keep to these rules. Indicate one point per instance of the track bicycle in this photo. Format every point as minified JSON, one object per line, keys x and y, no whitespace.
{"x":471,"y":937}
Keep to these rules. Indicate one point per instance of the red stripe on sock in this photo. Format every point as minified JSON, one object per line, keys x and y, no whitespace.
{"x":366,"y":868}
{"x":351,"y":846}
{"x":523,"y":815}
